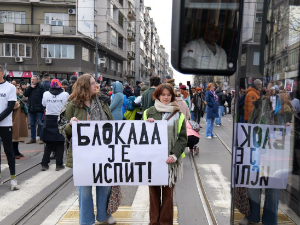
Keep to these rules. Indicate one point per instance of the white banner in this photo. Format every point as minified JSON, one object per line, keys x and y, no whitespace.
{"x":85,"y":17}
{"x":107,"y":153}
{"x":262,"y":156}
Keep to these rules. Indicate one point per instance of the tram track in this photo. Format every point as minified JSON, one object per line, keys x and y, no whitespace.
{"x":43,"y":201}
{"x":211,"y":219}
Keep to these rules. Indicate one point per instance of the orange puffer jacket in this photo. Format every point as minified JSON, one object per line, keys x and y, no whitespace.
{"x":252,"y":95}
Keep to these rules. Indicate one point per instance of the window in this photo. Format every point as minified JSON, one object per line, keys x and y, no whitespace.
{"x":57,"y":51}
{"x":120,"y":42}
{"x":113,"y":37}
{"x":121,"y":19}
{"x":14,"y":17}
{"x":57,"y":19}
{"x":112,"y":10}
{"x":15,"y":50}
{"x":113,"y":65}
{"x":119,"y":67}
{"x":87,"y":55}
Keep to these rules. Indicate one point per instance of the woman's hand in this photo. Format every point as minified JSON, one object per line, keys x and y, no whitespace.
{"x":73,"y":119}
{"x":151,"y":120}
{"x":171,"y":159}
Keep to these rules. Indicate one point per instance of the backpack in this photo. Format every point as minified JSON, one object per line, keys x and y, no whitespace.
{"x":195,"y":126}
{"x":129,"y":102}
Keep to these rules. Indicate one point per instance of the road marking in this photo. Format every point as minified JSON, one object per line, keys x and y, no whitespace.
{"x":138,"y":213}
{"x":29,"y":189}
{"x":219,"y":186}
{"x":4,"y":166}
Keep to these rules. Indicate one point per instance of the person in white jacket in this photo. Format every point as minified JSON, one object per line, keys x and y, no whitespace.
{"x":204,"y":53}
{"x":53,"y":100}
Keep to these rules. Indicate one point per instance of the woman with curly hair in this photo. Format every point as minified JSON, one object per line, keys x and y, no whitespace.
{"x":84,"y":104}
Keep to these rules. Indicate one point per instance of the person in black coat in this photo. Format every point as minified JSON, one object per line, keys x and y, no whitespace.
{"x":221,"y":100}
{"x":46,"y":81}
{"x":127,"y":90}
{"x":36,"y":109}
{"x":137,"y":88}
{"x":229,"y":99}
{"x":73,"y":79}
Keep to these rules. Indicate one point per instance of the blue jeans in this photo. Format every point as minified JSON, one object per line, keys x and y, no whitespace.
{"x":209,"y":127}
{"x":32,"y":117}
{"x":86,"y":205}
{"x":218,"y":120}
{"x":192,"y":115}
{"x":270,"y":205}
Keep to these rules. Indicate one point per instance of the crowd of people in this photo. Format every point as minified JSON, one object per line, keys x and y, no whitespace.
{"x":51,"y":106}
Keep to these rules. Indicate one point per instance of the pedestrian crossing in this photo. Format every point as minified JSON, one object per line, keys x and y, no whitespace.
{"x":67,"y":211}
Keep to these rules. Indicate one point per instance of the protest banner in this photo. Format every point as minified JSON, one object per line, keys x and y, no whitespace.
{"x":107,"y":153}
{"x":262,"y":156}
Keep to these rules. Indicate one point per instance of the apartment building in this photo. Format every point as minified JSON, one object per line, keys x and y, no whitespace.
{"x":150,"y":54}
{"x":61,"y":38}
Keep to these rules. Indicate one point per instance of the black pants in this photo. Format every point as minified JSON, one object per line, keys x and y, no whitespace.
{"x":6,"y":136}
{"x":192,"y":141}
{"x":50,"y":146}
{"x":198,"y":116}
{"x":16,"y":148}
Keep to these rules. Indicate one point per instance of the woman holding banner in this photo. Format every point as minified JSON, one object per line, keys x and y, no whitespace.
{"x":165,"y":108}
{"x":84,"y":104}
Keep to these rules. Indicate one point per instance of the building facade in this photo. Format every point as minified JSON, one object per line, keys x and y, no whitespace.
{"x":56,"y":37}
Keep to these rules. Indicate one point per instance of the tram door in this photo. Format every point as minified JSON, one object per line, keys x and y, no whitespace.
{"x":258,"y":42}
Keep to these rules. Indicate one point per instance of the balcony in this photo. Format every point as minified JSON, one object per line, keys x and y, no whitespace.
{"x":130,"y":35}
{"x":131,"y":15}
{"x":130,"y":73}
{"x":27,"y":29}
{"x":63,"y":30}
{"x":58,"y":1}
{"x":131,"y":55}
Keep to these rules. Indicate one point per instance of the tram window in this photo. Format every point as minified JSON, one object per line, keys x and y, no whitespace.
{"x":208,"y":39}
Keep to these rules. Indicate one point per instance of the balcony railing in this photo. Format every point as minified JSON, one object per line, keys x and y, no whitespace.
{"x":130,"y":73}
{"x":130,"y":35}
{"x":27,"y":28}
{"x":131,"y":14}
{"x":131,"y":55}
{"x":60,"y":1}
{"x":63,"y":30}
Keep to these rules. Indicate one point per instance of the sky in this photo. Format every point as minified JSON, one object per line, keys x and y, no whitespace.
{"x":161,"y":12}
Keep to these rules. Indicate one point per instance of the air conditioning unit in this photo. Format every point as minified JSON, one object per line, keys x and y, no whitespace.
{"x":19,"y":59}
{"x":258,"y":19}
{"x":72,"y":11}
{"x":48,"y":61}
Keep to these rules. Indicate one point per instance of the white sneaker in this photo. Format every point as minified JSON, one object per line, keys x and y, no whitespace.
{"x":244,"y":221}
{"x":14,"y":185}
{"x":111,"y":220}
{"x":208,"y":137}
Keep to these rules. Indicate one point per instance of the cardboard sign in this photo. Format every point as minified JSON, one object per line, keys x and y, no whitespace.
{"x":107,"y":153}
{"x":262,"y":156}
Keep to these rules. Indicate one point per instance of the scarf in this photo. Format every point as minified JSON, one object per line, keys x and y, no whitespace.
{"x":170,"y":108}
{"x":96,"y":113}
{"x":215,"y":96}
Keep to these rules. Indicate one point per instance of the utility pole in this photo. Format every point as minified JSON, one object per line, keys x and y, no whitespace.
{"x":96,"y":59}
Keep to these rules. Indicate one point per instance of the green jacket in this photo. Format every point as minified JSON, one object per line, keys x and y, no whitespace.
{"x":81,"y":114}
{"x":147,"y":100}
{"x":181,"y":142}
